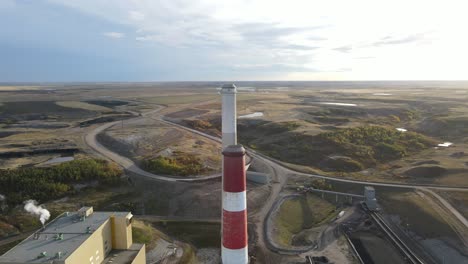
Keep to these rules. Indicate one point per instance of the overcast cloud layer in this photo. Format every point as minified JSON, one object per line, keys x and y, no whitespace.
{"x":145,"y":40}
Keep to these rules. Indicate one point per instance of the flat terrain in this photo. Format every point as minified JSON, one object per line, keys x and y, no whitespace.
{"x":384,"y":132}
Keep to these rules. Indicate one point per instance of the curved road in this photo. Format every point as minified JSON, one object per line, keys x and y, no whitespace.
{"x":279,"y":165}
{"x":128,"y":164}
{"x":279,"y":173}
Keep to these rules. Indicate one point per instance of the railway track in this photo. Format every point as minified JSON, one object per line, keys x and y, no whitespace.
{"x":407,"y":252}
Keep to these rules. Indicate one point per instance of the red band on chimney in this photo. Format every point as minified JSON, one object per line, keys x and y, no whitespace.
{"x":234,"y":229}
{"x":234,"y":174}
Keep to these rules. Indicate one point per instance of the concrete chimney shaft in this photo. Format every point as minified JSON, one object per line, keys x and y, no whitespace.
{"x":234,"y":220}
{"x":229,"y":114}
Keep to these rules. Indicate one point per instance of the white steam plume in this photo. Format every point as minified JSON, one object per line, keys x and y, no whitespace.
{"x":2,"y":197}
{"x":32,"y":207}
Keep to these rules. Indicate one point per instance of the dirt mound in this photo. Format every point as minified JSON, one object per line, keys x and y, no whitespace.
{"x":426,"y":171}
{"x":423,"y":162}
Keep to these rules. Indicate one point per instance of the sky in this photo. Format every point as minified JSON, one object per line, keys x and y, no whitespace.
{"x":222,"y":40}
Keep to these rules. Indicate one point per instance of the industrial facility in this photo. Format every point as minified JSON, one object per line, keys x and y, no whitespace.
{"x":234,"y":248}
{"x":81,"y":237}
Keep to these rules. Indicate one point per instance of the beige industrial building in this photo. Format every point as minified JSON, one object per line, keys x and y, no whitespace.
{"x":82,"y":237}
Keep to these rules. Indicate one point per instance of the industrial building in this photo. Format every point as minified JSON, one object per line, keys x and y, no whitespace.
{"x":371,"y":201}
{"x":81,"y":237}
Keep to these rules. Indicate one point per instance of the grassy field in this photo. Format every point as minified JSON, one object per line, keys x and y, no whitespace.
{"x":417,"y":214}
{"x":145,"y":233}
{"x":459,"y":200}
{"x":179,"y":99}
{"x":297,"y":214}
{"x":18,"y":88}
{"x":201,"y":235}
{"x":40,"y":110}
{"x":83,"y":105}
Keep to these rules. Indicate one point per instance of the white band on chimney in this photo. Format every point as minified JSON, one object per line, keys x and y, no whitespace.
{"x":229,"y":113}
{"x":235,"y":256}
{"x":229,"y":139}
{"x":234,"y":201}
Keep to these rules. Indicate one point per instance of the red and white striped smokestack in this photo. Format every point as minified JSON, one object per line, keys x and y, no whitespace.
{"x":229,"y":114}
{"x":234,"y":234}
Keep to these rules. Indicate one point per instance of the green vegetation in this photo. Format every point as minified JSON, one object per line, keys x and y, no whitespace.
{"x":145,"y":233}
{"x":141,"y":235}
{"x":349,"y":149}
{"x":182,"y":164}
{"x":375,"y":143}
{"x":44,"y":184}
{"x":299,"y":213}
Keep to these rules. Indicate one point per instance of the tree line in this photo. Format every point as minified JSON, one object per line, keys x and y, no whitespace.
{"x":46,"y":183}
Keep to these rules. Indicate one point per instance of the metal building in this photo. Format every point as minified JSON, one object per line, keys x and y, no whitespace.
{"x":371,"y":201}
{"x":81,"y":237}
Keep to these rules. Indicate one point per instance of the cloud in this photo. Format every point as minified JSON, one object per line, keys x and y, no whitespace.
{"x":135,"y":15}
{"x":344,"y":49}
{"x":287,"y":34}
{"x":114,"y":35}
{"x":389,"y":40}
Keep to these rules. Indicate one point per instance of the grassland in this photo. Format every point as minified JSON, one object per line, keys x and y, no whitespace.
{"x":459,"y":200}
{"x":348,"y":149}
{"x":145,"y":233}
{"x":201,"y":235}
{"x":417,"y":214}
{"x":163,"y":149}
{"x":83,"y":105}
{"x":180,"y":99}
{"x":181,"y":164}
{"x":300,"y":213}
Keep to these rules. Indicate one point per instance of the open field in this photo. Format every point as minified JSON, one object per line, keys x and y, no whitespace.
{"x":459,"y":200}
{"x":300,"y":213}
{"x":336,"y":129}
{"x":179,"y":99}
{"x":422,"y":220}
{"x":147,"y":140}
{"x":83,"y":105}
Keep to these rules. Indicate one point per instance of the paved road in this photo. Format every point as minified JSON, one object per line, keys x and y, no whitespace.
{"x":278,"y":165}
{"x":128,"y":164}
{"x":447,"y":205}
{"x":279,"y":173}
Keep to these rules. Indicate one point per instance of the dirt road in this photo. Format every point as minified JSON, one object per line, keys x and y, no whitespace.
{"x":128,"y":164}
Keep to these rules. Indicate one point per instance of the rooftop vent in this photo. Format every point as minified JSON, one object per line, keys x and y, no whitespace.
{"x":85,"y":211}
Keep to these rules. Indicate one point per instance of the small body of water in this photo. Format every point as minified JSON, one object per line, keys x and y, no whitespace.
{"x":382,"y":94}
{"x":256,"y":114}
{"x":58,"y":160}
{"x":401,"y":129}
{"x":445,"y":144}
{"x":334,"y":103}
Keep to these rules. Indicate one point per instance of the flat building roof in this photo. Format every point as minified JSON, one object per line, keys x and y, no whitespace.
{"x":73,"y":231}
